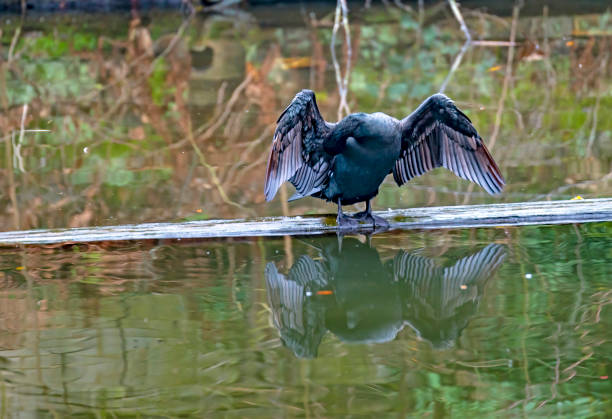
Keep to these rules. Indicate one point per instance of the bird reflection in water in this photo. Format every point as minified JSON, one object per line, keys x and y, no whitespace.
{"x":351,"y":292}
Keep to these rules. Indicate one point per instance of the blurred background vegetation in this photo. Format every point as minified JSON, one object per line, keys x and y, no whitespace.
{"x":165,"y":114}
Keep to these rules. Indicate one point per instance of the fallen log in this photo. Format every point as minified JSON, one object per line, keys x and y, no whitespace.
{"x":466,"y":216}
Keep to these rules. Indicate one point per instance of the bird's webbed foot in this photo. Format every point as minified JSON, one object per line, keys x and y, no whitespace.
{"x":367,"y":217}
{"x":379,"y":221}
{"x":371,"y":218}
{"x":361,"y":218}
{"x":363,"y":215}
{"x":347,"y":221}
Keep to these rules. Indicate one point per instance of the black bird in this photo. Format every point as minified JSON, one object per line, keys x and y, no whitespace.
{"x":347,"y":161}
{"x":362,"y":299}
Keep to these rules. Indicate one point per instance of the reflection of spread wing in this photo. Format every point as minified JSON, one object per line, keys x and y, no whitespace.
{"x":296,"y":316}
{"x":438,"y":134}
{"x":297,"y":148}
{"x":308,"y":273}
{"x":440,"y":301}
{"x":447,"y":288}
{"x":471,"y":270}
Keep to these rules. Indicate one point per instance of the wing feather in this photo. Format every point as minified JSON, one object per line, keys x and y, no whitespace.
{"x":438,"y":134}
{"x":297,"y":148}
{"x":300,"y":322}
{"x":474,"y":269}
{"x":439,"y":290}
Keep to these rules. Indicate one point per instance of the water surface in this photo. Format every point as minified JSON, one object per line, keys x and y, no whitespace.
{"x":485,"y":322}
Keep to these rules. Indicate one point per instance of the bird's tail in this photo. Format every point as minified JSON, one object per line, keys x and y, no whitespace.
{"x":295,"y":197}
{"x":298,"y":195}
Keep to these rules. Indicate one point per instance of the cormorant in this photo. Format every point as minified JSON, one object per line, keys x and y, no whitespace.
{"x":347,"y":161}
{"x":361,"y":298}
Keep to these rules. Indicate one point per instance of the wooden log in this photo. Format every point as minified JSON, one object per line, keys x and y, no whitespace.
{"x":466,"y":216}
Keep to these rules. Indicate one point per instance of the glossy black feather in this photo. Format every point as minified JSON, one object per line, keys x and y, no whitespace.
{"x":438,"y":134}
{"x":346,"y":162}
{"x":297,"y":147}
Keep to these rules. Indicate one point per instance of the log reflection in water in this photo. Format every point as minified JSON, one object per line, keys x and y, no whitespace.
{"x":351,"y":292}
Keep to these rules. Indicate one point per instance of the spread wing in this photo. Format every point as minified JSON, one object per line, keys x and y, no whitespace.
{"x":440,"y":301}
{"x":443,"y":289}
{"x":438,"y":134}
{"x":297,"y":148}
{"x":297,"y":317}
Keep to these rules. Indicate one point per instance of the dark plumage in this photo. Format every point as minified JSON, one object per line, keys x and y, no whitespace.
{"x":346,"y":162}
{"x":361,"y":298}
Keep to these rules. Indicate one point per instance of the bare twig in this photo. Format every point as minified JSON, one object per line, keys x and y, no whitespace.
{"x":220,"y":98}
{"x":212,"y":171}
{"x":494,"y":43}
{"x":284,"y":198}
{"x":455,"y":65}
{"x":464,"y":48}
{"x":230,"y":174}
{"x":226,"y":112}
{"x":484,"y":364}
{"x":179,"y":34}
{"x":421,"y":19}
{"x":342,"y":81}
{"x":12,"y":187}
{"x":173,"y":41}
{"x":599,"y":90}
{"x":455,"y":8}
{"x":17,"y":146}
{"x":555,"y":383}
{"x":11,"y":50}
{"x":211,"y":126}
{"x":580,"y":361}
{"x":507,"y":75}
{"x":404,"y":7}
{"x":255,"y":163}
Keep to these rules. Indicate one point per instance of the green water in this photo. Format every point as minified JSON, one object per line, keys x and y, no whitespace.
{"x":486,"y":322}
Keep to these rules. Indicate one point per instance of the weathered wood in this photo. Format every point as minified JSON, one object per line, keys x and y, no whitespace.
{"x":515,"y":214}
